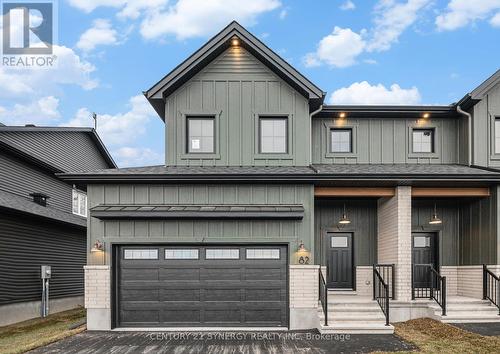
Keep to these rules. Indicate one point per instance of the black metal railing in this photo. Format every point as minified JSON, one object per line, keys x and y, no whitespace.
{"x":381,"y":293}
{"x":491,"y":287}
{"x":323,"y":295}
{"x":387,"y":273}
{"x":438,"y":289}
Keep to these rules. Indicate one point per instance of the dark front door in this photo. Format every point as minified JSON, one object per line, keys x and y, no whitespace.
{"x":424,"y":256}
{"x":208,"y":286}
{"x":339,"y":260}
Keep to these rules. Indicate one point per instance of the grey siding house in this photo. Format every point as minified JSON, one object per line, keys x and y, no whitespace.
{"x":42,"y":218}
{"x":276,"y":210}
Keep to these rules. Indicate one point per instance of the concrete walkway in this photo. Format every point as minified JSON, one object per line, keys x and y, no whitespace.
{"x":224,"y":342}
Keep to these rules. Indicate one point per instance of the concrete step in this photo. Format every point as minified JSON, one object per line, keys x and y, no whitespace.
{"x":341,"y":292}
{"x":452,"y":318}
{"x":357,"y":328}
{"x":356,"y":318}
{"x":363,"y":308}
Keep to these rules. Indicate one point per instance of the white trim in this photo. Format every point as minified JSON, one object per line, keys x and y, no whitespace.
{"x":79,"y":194}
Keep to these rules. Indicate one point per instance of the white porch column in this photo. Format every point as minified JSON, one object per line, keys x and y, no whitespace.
{"x":394,"y":238}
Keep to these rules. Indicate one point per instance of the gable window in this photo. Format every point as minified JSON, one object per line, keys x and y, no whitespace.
{"x":200,"y":135}
{"x":423,"y":140}
{"x":79,"y":203}
{"x":273,"y":135}
{"x":497,"y":135}
{"x":341,"y":140}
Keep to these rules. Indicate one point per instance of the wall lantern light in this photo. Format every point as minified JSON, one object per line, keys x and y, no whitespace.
{"x":303,"y":254}
{"x":435,"y":220}
{"x":98,"y":246}
{"x":344,"y":220}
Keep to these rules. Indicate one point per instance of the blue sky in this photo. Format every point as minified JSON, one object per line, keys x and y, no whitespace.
{"x":386,"y":51}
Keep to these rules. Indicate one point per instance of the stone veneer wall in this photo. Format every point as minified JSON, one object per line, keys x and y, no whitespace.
{"x":98,"y":297}
{"x":394,"y":238}
{"x":304,"y":280}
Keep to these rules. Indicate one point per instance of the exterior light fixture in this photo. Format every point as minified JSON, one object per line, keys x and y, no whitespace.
{"x":235,"y":42}
{"x":98,"y":246}
{"x":344,"y":220}
{"x":426,"y":115}
{"x":435,"y":220}
{"x":303,"y":254}
{"x":342,"y":115}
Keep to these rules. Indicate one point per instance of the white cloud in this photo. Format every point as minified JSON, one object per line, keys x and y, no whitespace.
{"x":283,"y":14}
{"x":27,"y":82}
{"x":101,"y":33}
{"x":135,"y":156}
{"x":121,"y":128}
{"x":91,"y":5}
{"x":391,"y":20}
{"x":43,"y":111}
{"x":195,"y":18}
{"x":338,"y":49}
{"x":460,"y":13}
{"x":364,"y":93}
{"x":347,"y":5}
{"x":495,"y":20}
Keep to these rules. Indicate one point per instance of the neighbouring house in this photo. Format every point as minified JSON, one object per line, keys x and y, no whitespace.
{"x":274,"y":209}
{"x":43,"y":219}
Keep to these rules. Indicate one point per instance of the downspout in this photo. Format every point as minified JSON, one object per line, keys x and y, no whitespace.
{"x":311,"y":132}
{"x":469,"y":133}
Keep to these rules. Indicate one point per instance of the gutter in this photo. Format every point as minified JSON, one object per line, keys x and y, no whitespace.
{"x":310,"y":130}
{"x":469,"y":133}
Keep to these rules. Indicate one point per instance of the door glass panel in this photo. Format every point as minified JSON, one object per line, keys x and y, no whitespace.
{"x":178,"y":253}
{"x":263,"y":253}
{"x":222,"y":253}
{"x":140,"y":254}
{"x":339,"y":241}
{"x":421,"y":241}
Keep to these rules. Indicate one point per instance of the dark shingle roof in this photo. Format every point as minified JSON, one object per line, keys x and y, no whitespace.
{"x":311,"y":173}
{"x":26,"y":205}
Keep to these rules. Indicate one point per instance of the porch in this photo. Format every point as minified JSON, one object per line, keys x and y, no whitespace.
{"x":415,"y":252}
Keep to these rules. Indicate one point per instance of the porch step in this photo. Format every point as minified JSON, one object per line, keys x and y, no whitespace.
{"x":341,"y":292}
{"x":466,"y":310}
{"x":353,"y":314}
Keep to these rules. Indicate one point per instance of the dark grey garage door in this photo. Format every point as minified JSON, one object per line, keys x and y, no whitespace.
{"x":164,"y":286}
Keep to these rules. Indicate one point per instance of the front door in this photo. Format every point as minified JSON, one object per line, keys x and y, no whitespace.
{"x":339,"y":260}
{"x":424,"y":256}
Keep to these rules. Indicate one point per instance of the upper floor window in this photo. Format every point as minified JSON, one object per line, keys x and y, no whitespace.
{"x":79,"y":203}
{"x":497,"y":135}
{"x":273,"y":135}
{"x":200,"y":134}
{"x":423,"y":140}
{"x":341,"y":140}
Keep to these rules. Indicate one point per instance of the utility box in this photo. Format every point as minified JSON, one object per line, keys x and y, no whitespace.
{"x":46,"y":272}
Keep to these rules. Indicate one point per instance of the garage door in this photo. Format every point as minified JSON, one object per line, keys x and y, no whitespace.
{"x":209,"y":286}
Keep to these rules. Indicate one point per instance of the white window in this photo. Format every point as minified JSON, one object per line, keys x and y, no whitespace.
{"x":263,"y":253}
{"x":497,"y":135}
{"x":339,"y":241}
{"x":79,"y":203}
{"x":421,"y":241}
{"x":181,"y":253}
{"x":140,"y":254}
{"x":423,"y":140}
{"x":273,"y":135}
{"x":200,"y":132}
{"x":341,"y":140}
{"x":222,"y":253}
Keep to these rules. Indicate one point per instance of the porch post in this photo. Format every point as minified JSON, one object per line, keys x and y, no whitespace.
{"x":394,"y":238}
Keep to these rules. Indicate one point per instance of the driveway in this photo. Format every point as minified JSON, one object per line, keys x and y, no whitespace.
{"x":224,"y":342}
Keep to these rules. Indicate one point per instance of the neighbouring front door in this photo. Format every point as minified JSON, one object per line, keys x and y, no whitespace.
{"x":339,"y":260}
{"x":424,"y":256}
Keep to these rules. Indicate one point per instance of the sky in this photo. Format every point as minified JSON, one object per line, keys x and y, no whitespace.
{"x":358,"y":51}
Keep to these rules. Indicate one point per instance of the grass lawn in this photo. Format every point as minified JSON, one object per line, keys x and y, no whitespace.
{"x":31,"y":334}
{"x":435,"y":337}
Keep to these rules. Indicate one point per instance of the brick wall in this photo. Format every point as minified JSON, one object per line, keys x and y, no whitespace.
{"x":364,"y":279}
{"x":470,"y":281}
{"x":304,"y":286}
{"x":394,"y":238}
{"x":97,"y":287}
{"x":451,"y":274}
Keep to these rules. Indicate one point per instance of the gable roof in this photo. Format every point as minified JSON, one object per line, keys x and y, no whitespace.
{"x":216,"y":46}
{"x":476,"y":95}
{"x":58,"y":149}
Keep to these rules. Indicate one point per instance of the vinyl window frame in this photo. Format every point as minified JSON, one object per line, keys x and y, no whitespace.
{"x":288,"y":155}
{"x":79,"y":195}
{"x":435,"y":126}
{"x":182,"y":142}
{"x":340,"y":129}
{"x":327,"y":142}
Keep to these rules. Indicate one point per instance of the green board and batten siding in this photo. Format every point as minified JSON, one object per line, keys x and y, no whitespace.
{"x":199,"y":231}
{"x":236,"y":88}
{"x":387,"y":141}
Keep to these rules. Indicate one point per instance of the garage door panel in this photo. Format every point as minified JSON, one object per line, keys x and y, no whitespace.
{"x":202,"y":292}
